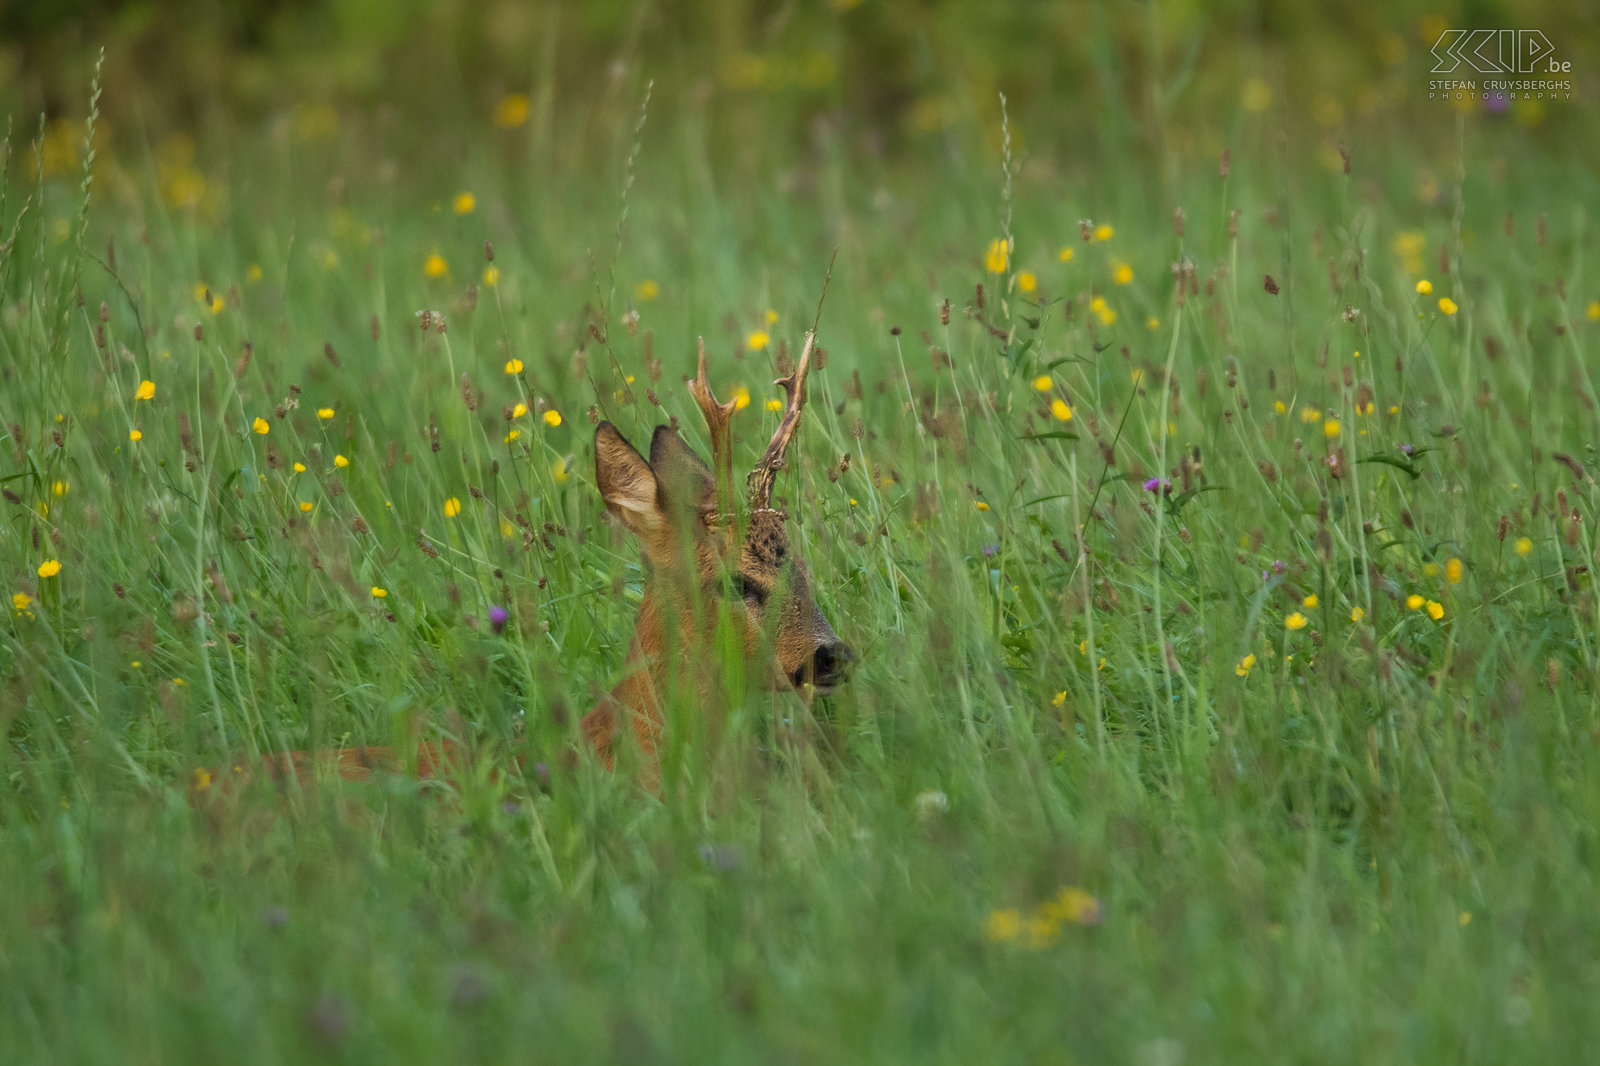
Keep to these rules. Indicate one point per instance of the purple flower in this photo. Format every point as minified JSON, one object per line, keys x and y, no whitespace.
{"x":990,"y":550}
{"x":721,"y":857}
{"x":497,"y":617}
{"x":1406,"y":448}
{"x":1495,"y":102}
{"x":1158,"y":484}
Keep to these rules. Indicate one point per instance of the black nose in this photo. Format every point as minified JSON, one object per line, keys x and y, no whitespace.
{"x":831,"y":664}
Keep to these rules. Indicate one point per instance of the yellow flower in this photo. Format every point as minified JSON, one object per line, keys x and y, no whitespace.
{"x":202,"y":779}
{"x":299,"y":468}
{"x":1059,"y":699}
{"x":49,"y":568}
{"x":452,"y":507}
{"x":1152,"y":323}
{"x":305,"y":506}
{"x":1042,"y":932}
{"x":254,"y":273}
{"x":519,"y":410}
{"x":513,"y":435}
{"x":1060,"y":411}
{"x":60,"y":488}
{"x":772,"y":317}
{"x":1452,"y":571}
{"x":261,"y":426}
{"x":741,"y":397}
{"x":852,"y":501}
{"x":998,"y":255}
{"x":1065,"y":255}
{"x":1043,"y":383}
{"x":646,"y":290}
{"x":774,"y":404}
{"x":1357,"y":614}
{"x":379,"y":593}
{"x":1295,"y":621}
{"x":1330,"y":428}
{"x":1524,"y":546}
{"x":1447,"y":305}
{"x":340,"y":461}
{"x":513,"y":366}
{"x":1257,"y":95}
{"x":511,"y":111}
{"x":1244,"y":665}
{"x":982,"y":506}
{"x":1278,"y":406}
{"x":1593,"y":310}
{"x":1435,"y":610}
{"x":1364,"y":407}
{"x":507,"y":529}
{"x":1309,"y":602}
{"x":1003,"y":925}
{"x":464,"y":203}
{"x":1414,"y":602}
{"x":325,"y":413}
{"x":1310,"y":414}
{"x":203,"y":294}
{"x":1104,"y":233}
{"x":1430,"y":569}
{"x":1121,"y":273}
{"x":135,"y":436}
{"x":1026,"y":282}
{"x":757,"y":340}
{"x":552,"y":417}
{"x":1424,"y":287}
{"x":146,"y":391}
{"x":1074,"y":905}
{"x":434,"y":266}
{"x":558,"y":470}
{"x":491,"y":276}
{"x":20,"y":601}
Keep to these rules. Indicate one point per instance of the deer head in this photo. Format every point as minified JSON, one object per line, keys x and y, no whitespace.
{"x":705,"y":552}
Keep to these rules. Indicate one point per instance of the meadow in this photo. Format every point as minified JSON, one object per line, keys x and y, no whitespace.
{"x":1210,"y":500}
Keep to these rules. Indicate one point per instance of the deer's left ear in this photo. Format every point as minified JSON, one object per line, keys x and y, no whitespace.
{"x":628,"y":485}
{"x":688,"y":489}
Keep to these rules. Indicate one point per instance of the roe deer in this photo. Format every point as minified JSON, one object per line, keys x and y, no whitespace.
{"x":709,"y":561}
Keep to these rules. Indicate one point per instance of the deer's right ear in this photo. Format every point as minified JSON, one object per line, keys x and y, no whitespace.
{"x":628,"y":485}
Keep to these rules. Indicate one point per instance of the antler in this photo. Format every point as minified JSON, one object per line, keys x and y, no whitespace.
{"x":766,"y":471}
{"x":719,"y":420}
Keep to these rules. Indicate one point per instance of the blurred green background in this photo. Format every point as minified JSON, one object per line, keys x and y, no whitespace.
{"x":1165,"y":84}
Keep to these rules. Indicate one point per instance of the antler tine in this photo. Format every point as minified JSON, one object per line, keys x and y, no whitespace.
{"x":766,"y":471}
{"x":719,"y":421}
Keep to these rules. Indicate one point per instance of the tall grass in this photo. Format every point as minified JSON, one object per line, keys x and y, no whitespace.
{"x":1128,"y":538}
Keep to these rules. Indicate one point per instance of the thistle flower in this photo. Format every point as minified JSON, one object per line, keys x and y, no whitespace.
{"x":497,"y":617}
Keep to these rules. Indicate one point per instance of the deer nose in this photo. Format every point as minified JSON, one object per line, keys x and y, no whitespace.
{"x":831,"y":663}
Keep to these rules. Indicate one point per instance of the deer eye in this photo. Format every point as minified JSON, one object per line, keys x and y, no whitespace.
{"x":749,"y":590}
